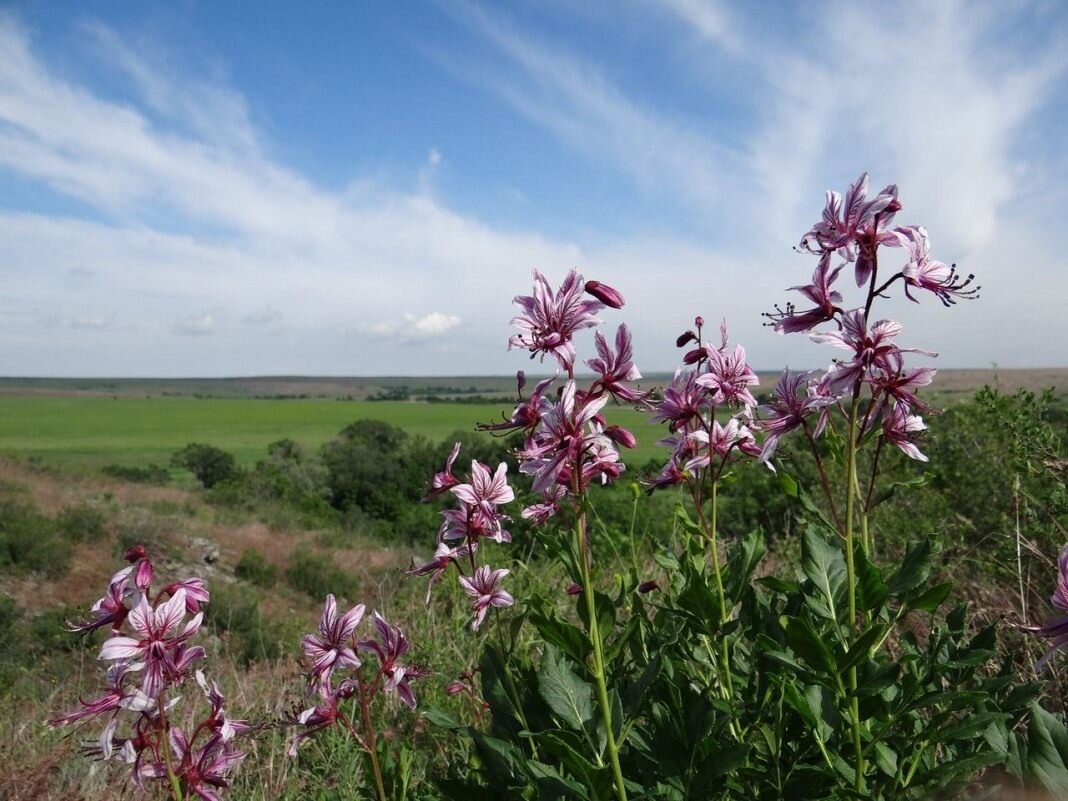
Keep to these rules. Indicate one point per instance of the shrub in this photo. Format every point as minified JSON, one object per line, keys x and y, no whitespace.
{"x":29,"y":541}
{"x":254,"y":568}
{"x":150,"y":474}
{"x":317,"y":575}
{"x":210,"y":465}
{"x":82,"y":524}
{"x":249,"y":636}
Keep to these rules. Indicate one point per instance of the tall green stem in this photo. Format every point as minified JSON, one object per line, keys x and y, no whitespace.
{"x":582,"y":539}
{"x":724,"y":612}
{"x":165,"y":746}
{"x":851,"y":585}
{"x":372,"y":744}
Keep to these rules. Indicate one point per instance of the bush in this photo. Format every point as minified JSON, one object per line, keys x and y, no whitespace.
{"x":82,"y":524}
{"x":248,"y":635}
{"x":150,"y":474}
{"x":317,"y":575}
{"x":254,"y":568}
{"x":209,"y":464}
{"x":29,"y":541}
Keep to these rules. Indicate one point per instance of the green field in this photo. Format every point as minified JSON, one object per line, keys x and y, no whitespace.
{"x":92,"y":431}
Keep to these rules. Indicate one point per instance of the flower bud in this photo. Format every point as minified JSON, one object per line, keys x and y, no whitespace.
{"x":685,"y":338}
{"x":520,"y":381}
{"x":134,"y":553}
{"x":699,"y":321}
{"x":621,"y":436}
{"x":454,"y":688}
{"x":694,"y":356}
{"x":606,"y":294}
{"x":143,"y":575}
{"x":574,"y":589}
{"x":648,"y":586}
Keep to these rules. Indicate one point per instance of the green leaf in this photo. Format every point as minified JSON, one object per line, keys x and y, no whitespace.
{"x":792,"y":489}
{"x":1047,"y":751}
{"x":440,"y":718}
{"x":885,"y":759}
{"x":914,"y":569}
{"x":858,"y":652}
{"x":743,"y":560}
{"x":566,"y":747}
{"x":912,"y":483}
{"x":810,"y":646}
{"x":871,"y":589}
{"x":824,"y":565}
{"x":569,"y":697}
{"x":929,"y":600}
{"x":567,"y":637}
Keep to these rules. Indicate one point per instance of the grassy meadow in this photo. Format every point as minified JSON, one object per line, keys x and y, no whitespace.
{"x":92,"y":431}
{"x":272,"y":541}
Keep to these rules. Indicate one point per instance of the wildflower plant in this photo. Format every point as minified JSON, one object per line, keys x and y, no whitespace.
{"x":152,"y":656}
{"x":345,"y":685}
{"x":711,"y":683}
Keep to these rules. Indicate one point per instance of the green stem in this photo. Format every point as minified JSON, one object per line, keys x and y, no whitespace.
{"x":598,"y":654}
{"x":371,"y":744}
{"x":851,"y":585}
{"x":165,"y":746}
{"x":509,"y":682}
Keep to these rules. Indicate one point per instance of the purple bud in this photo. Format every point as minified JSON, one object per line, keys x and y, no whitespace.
{"x":685,"y":338}
{"x":520,"y":381}
{"x":621,"y":436}
{"x":143,"y":575}
{"x":606,"y":294}
{"x":694,"y":356}
{"x":454,"y":688}
{"x":648,"y":586}
{"x":134,"y":553}
{"x":699,"y":321}
{"x":574,"y":589}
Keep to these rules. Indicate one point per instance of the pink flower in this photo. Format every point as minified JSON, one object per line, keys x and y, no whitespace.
{"x":550,"y":319}
{"x":117,"y":697}
{"x":614,"y":368}
{"x":111,"y":609}
{"x":820,"y":293}
{"x":485,"y":492}
{"x":528,"y":414}
{"x":922,"y":272}
{"x":444,"y":480}
{"x":217,"y":722}
{"x":728,"y":377}
{"x":483,"y":587}
{"x":1055,"y":631}
{"x":196,"y":593}
{"x":158,"y":643}
{"x":436,"y":567}
{"x":390,"y":646}
{"x":203,"y":772}
{"x":899,"y":429}
{"x":721,"y":441}
{"x":792,"y":402}
{"x":856,"y":227}
{"x":333,"y":646}
{"x":324,"y":714}
{"x":539,"y":513}
{"x":684,"y":401}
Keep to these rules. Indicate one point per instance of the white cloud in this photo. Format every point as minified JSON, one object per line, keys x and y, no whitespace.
{"x":263,"y":316}
{"x":199,"y":325}
{"x":410,"y":329}
{"x":92,"y":322}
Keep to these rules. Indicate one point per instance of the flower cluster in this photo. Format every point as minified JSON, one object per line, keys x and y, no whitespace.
{"x":568,"y":443}
{"x":336,"y":673}
{"x":851,"y":231}
{"x":1056,"y":631}
{"x":713,"y":378}
{"x":477,"y":517}
{"x":151,"y":656}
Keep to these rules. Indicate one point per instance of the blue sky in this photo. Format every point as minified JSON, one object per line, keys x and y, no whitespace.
{"x":194,"y":189}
